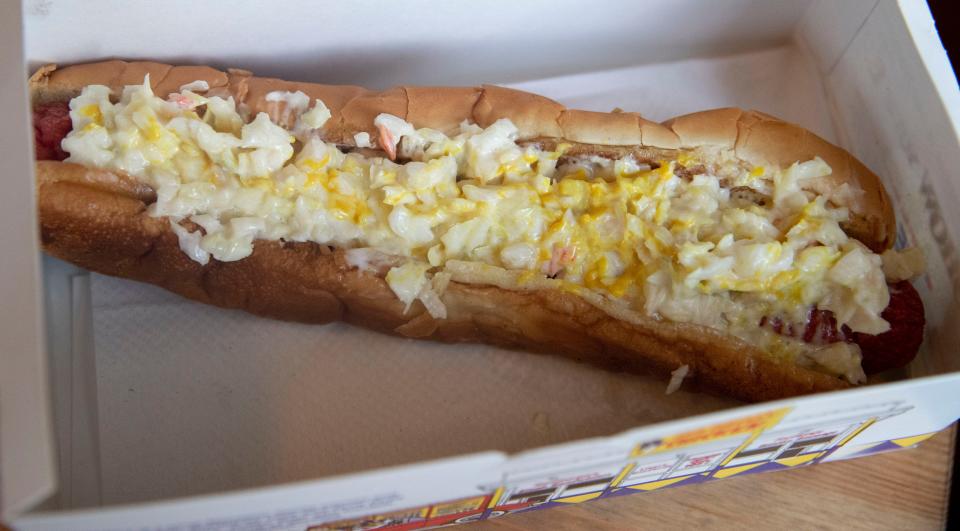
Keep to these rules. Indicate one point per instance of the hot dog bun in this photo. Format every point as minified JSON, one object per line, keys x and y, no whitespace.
{"x":98,"y":220}
{"x":756,"y":137}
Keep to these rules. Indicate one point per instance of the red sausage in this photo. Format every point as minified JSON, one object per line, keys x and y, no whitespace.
{"x":891,"y":349}
{"x":899,"y":345}
{"x":51,"y":123}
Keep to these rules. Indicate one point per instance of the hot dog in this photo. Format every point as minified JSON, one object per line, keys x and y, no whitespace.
{"x":742,"y":247}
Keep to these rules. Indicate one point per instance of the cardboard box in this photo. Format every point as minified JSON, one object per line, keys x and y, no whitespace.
{"x":123,"y":406}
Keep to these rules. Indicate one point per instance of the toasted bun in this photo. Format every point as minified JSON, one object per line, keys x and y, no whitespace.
{"x":761,"y":139}
{"x":756,"y":138}
{"x":98,"y":220}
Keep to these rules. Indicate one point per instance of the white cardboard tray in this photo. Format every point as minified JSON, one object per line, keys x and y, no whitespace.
{"x":150,"y":413}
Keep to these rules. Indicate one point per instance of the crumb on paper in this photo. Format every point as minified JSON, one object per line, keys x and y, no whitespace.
{"x":540,"y":422}
{"x":676,"y":378}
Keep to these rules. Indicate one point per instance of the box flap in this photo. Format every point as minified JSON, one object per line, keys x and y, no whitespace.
{"x":912,"y":143}
{"x":26,"y":447}
{"x":425,"y":43}
{"x":827,"y":28}
{"x":298,"y":505}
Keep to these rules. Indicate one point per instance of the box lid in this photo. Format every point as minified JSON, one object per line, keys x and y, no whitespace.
{"x":26,"y":446}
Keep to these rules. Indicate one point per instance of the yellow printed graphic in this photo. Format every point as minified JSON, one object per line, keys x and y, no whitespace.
{"x":754,"y":423}
{"x":856,"y":432}
{"x":623,"y":473}
{"x":495,"y":499}
{"x":734,"y":470}
{"x":460,"y":506}
{"x":799,"y":460}
{"x":910,"y":441}
{"x":747,"y":442}
{"x":654,"y":485}
{"x":579,"y":499}
{"x":375,"y":521}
